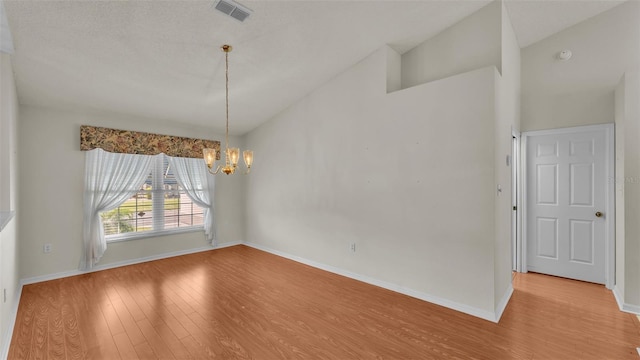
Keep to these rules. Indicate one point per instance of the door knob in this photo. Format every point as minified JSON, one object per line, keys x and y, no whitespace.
{"x":598,"y":214}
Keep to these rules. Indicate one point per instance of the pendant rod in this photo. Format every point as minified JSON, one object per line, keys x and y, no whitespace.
{"x":226,"y":49}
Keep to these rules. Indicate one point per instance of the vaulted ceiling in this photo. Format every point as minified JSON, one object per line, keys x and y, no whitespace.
{"x":161,"y":59}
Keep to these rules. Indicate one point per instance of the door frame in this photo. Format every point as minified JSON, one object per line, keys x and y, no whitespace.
{"x":610,"y":219}
{"x":516,"y":200}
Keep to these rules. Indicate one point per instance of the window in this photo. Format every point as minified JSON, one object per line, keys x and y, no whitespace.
{"x":161,"y":205}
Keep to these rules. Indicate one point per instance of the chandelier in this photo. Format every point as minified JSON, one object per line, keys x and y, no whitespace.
{"x":231,"y":154}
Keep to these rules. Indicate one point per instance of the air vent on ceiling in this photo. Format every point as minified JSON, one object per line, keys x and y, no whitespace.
{"x":233,"y":9}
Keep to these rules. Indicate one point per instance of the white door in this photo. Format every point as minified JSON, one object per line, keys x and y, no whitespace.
{"x":566,"y":174}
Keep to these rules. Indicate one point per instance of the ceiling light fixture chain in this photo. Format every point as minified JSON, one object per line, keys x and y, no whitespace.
{"x":231,"y":154}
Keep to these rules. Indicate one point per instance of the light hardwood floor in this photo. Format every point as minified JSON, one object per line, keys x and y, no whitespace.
{"x":242,"y":303}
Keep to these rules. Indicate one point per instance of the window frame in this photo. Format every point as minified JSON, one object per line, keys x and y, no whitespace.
{"x":157,"y":178}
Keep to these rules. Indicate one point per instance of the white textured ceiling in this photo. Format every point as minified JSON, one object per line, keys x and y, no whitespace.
{"x":161,"y":59}
{"x":534,"y":20}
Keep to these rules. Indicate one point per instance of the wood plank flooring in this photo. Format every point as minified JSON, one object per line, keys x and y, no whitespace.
{"x":242,"y":303}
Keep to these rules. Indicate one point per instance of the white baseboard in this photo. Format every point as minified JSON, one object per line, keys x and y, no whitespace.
{"x":633,"y":309}
{"x":60,"y":275}
{"x":503,"y":303}
{"x":618,"y":296}
{"x":628,"y":308}
{"x":483,"y":314}
{"x":6,"y":342}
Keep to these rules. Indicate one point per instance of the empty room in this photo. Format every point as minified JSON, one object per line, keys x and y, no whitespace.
{"x":320,"y":179}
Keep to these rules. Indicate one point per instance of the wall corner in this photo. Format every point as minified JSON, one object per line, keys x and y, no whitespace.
{"x":394,"y":70}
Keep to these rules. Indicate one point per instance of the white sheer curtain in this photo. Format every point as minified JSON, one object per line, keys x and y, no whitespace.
{"x":110,"y":179}
{"x":193,"y":177}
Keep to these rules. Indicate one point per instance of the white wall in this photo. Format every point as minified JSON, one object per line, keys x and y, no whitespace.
{"x":632,"y":191}
{"x":8,"y":97}
{"x":620,"y":135}
{"x":472,"y":43}
{"x":407,"y":176}
{"x":628,"y":191}
{"x":508,"y":119}
{"x":9,"y":260}
{"x":579,"y":91}
{"x":52,"y":183}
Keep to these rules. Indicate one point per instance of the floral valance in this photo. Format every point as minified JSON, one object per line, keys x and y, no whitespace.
{"x":134,"y":142}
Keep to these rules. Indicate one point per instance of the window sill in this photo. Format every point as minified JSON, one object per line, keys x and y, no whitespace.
{"x":5,"y":217}
{"x":150,"y":234}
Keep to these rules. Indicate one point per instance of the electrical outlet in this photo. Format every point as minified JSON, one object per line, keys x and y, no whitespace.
{"x":353,"y":247}
{"x":47,"y":248}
